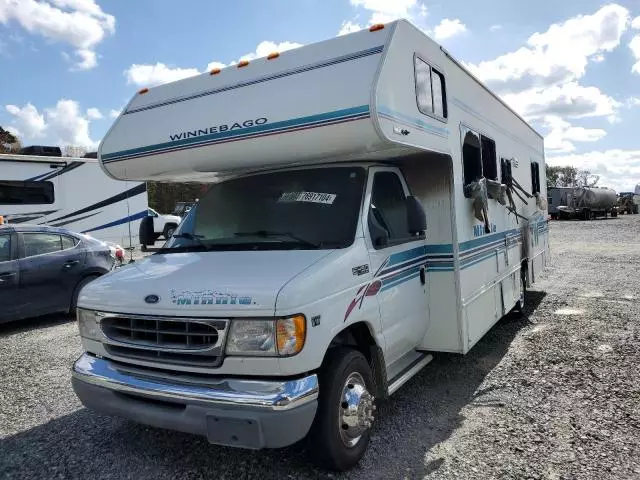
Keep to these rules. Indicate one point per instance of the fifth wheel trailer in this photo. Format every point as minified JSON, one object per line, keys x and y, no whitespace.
{"x":73,"y":193}
{"x":371,"y":203}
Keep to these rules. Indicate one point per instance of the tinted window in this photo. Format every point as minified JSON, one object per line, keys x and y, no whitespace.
{"x":430,"y":89}
{"x":5,"y":248}
{"x":535,"y":177}
{"x":310,"y":208}
{"x":25,"y":193}
{"x":423,"y":87}
{"x":68,"y":242}
{"x":471,"y":158}
{"x":439,"y":99}
{"x":40,"y":243}
{"x":489,"y":160}
{"x":389,"y":205}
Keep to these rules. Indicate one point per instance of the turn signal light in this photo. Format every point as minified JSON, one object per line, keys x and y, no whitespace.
{"x":290,"y":334}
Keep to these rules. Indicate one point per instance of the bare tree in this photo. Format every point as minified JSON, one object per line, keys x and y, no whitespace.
{"x":9,"y":143}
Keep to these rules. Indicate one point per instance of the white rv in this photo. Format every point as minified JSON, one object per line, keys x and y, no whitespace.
{"x":374,"y":203}
{"x":73,"y":193}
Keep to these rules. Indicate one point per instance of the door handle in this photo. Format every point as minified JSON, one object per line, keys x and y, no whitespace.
{"x":71,"y":263}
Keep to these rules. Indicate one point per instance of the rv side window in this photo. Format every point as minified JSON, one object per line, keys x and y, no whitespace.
{"x":439,"y":94}
{"x":471,"y":158}
{"x":535,"y":177}
{"x":505,"y":171}
{"x":430,"y":90}
{"x":14,"y":192}
{"x":388,"y":202}
{"x":489,"y":160}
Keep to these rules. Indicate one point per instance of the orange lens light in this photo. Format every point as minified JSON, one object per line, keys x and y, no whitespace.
{"x":243,"y":63}
{"x":273,"y":56}
{"x":376,"y":27}
{"x":215,"y":71}
{"x":142,"y":91}
{"x":290,"y":334}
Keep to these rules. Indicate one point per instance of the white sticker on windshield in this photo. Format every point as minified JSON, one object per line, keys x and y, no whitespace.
{"x":311,"y":197}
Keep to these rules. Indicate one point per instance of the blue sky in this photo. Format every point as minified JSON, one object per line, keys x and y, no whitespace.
{"x":571,"y":67}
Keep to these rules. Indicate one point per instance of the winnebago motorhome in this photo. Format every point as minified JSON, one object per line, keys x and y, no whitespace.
{"x":372,"y":203}
{"x":73,"y":193}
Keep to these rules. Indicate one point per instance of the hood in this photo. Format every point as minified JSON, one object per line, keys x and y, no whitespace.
{"x":172,"y":218}
{"x":199,"y":283}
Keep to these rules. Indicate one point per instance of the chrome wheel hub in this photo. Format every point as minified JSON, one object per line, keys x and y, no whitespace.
{"x":355,"y":412}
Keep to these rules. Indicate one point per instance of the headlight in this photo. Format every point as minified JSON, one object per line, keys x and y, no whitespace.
{"x":274,"y":337}
{"x":89,"y":324}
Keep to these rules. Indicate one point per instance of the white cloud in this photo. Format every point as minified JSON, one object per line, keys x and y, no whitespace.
{"x":27,"y":120}
{"x":562,"y":135}
{"x":619,"y":169}
{"x":632,"y":102}
{"x":213,"y":65}
{"x":495,"y":28}
{"x":94,"y":114}
{"x":151,"y":75}
{"x":448,"y":28}
{"x":262,"y":50}
{"x":68,"y":125}
{"x":81,"y":24}
{"x":64,"y":124}
{"x":634,"y":45}
{"x":114,"y":113}
{"x":636,"y":23}
{"x":559,"y":54}
{"x":568,"y":100}
{"x":385,"y":11}
{"x":349,"y":27}
{"x":266,"y":47}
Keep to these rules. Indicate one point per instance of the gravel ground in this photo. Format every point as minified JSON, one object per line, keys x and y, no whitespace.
{"x":556,"y":395}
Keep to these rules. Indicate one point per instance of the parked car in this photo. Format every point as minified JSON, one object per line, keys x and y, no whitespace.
{"x":43,"y":269}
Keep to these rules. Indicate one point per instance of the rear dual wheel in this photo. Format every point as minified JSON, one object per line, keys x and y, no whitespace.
{"x":341,"y":429}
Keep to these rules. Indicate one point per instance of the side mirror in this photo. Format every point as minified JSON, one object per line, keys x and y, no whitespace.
{"x":416,"y":218}
{"x":379,"y":234}
{"x":146,"y":233}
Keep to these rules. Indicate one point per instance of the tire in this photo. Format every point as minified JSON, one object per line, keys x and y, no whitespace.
{"x":76,"y":292}
{"x":168,"y":230}
{"x":340,"y":435}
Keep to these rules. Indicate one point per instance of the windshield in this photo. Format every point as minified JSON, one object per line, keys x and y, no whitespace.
{"x":299,"y":209}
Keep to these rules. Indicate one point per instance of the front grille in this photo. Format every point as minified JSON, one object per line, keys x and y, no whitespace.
{"x":186,"y":359}
{"x":184,"y":341}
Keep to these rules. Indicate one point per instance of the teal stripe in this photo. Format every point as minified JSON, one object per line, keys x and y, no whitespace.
{"x":268,"y":127}
{"x":416,"y":122}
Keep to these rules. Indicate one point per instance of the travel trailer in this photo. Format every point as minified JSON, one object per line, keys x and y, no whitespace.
{"x":73,"y":193}
{"x":371,"y":203}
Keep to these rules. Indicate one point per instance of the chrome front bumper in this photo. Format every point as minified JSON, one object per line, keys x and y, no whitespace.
{"x":236,"y":412}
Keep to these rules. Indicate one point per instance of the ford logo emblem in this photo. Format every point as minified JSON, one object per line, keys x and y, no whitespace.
{"x":152,"y":299}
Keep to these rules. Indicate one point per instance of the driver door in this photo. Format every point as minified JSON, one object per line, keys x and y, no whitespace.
{"x":399,"y":264}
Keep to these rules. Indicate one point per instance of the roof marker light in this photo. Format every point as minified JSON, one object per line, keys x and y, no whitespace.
{"x":215,"y":71}
{"x":273,"y":56}
{"x":243,"y":63}
{"x":142,"y":91}
{"x":376,"y":27}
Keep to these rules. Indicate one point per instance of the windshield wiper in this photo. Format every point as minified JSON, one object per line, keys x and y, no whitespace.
{"x":267,"y":233}
{"x":189,"y":236}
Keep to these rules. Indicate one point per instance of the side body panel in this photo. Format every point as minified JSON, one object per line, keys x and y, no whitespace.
{"x":85,"y":199}
{"x":485,"y":266}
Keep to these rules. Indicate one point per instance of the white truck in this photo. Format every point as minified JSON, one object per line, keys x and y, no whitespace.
{"x":164,"y":224}
{"x":367,"y":210}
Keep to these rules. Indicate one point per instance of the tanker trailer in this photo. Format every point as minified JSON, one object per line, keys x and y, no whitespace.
{"x":590,"y":202}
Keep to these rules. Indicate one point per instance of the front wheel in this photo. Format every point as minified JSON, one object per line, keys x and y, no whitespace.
{"x":340,"y":432}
